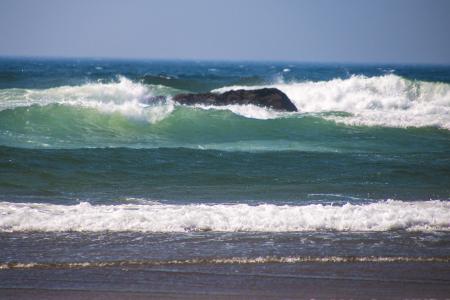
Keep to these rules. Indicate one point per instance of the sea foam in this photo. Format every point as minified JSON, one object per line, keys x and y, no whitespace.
{"x":379,"y":216}
{"x":125,"y":97}
{"x":388,"y":100}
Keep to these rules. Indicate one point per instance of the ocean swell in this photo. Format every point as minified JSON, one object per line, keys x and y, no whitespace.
{"x":130,"y":114}
{"x":388,"y":100}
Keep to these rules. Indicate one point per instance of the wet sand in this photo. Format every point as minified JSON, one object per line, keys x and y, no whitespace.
{"x":265,"y":281}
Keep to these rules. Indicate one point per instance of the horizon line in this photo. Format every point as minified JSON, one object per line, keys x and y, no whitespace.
{"x":123,"y":58}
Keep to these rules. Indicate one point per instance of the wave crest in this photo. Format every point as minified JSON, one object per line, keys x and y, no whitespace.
{"x":126,"y":97}
{"x":388,"y":100}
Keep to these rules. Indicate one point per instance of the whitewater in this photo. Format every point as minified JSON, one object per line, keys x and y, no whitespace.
{"x":388,"y":100}
{"x":380,"y":216}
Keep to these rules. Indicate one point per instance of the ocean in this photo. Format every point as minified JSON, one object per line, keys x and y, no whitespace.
{"x":97,"y":179}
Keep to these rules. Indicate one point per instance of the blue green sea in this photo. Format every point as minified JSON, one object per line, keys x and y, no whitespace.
{"x":94,"y":172}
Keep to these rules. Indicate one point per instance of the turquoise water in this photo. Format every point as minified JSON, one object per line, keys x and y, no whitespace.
{"x":88,"y":156}
{"x":76,"y":130}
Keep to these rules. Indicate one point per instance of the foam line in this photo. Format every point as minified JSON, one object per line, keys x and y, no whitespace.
{"x":379,"y":216}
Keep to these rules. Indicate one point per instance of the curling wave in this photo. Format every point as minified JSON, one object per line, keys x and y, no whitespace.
{"x":127,"y":114}
{"x":379,"y":216}
{"x":388,"y":100}
{"x":124,"y":97}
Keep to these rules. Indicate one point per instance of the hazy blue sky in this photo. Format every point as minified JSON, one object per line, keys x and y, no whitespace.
{"x":320,"y":31}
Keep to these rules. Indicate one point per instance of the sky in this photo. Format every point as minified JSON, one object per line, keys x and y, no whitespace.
{"x":378,"y":31}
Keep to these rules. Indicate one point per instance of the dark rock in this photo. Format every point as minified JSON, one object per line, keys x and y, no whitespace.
{"x":266,"y":97}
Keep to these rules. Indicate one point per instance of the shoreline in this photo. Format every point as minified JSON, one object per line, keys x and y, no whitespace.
{"x":266,"y":281}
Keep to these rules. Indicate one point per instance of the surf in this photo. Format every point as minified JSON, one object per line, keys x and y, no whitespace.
{"x":379,"y":216}
{"x":388,"y":100}
{"x":124,"y":113}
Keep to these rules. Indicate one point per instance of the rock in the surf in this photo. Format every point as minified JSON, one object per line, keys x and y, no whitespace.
{"x":266,"y":97}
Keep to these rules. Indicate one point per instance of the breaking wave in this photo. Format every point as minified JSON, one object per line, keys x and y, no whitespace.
{"x":380,"y":216}
{"x":388,"y":100}
{"x":125,"y":97}
{"x":131,"y":114}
